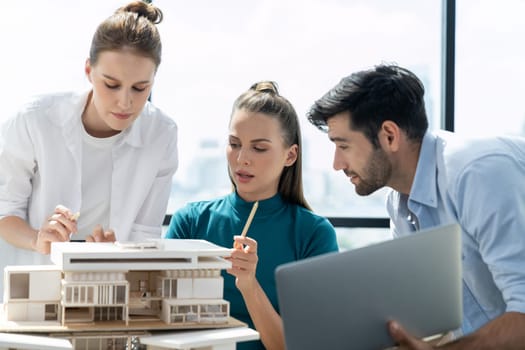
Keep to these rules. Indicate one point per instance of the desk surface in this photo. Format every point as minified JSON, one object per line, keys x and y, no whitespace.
{"x":30,"y":342}
{"x":169,"y":340}
{"x":196,"y":339}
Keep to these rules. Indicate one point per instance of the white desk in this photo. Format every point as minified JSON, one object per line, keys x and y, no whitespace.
{"x":30,"y":342}
{"x":208,"y":339}
{"x":214,"y":339}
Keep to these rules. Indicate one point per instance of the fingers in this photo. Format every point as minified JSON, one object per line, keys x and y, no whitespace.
{"x":44,"y":239}
{"x":55,"y":225}
{"x":109,"y":236}
{"x":99,"y":235}
{"x":404,"y":339}
{"x":397,"y":332}
{"x":66,"y":219}
{"x":57,"y":228}
{"x":244,"y":261}
{"x":245,"y":257}
{"x":245,"y":243}
{"x":62,"y":225}
{"x":60,"y":209}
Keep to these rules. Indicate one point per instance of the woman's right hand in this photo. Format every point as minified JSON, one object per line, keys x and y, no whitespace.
{"x":244,"y":263}
{"x":57,"y":228}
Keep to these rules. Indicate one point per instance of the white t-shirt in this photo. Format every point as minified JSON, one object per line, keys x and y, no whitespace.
{"x":97,"y":169}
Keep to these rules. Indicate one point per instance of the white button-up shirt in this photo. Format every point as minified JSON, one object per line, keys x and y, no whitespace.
{"x":40,"y":167}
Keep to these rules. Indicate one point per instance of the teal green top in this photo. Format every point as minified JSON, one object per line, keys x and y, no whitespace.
{"x":284,"y":232}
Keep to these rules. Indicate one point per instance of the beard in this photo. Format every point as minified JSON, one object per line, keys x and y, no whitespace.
{"x":375,"y":175}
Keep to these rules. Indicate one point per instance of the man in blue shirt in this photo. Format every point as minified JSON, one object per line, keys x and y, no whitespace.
{"x":377,"y":120}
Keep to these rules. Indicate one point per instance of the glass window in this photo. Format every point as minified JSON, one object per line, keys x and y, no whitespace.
{"x":45,"y":46}
{"x":352,"y":238}
{"x":213,"y":51}
{"x":120,"y":295}
{"x":490,"y":74}
{"x":19,"y":285}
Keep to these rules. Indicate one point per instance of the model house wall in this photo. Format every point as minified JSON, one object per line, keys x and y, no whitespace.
{"x":108,"y":296}
{"x":175,"y":281}
{"x":32,"y":293}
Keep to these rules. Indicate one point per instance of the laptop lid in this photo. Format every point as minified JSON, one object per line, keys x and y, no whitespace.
{"x":344,"y":300}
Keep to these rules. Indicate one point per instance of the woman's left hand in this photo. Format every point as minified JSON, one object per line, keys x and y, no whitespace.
{"x":99,"y":235}
{"x":244,"y":262}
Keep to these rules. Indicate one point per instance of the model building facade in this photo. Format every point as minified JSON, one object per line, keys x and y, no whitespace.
{"x":171,"y":282}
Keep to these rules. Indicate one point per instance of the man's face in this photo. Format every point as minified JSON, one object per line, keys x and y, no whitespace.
{"x":368,"y":168}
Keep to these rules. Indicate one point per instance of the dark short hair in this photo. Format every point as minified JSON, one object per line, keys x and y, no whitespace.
{"x":385,"y":92}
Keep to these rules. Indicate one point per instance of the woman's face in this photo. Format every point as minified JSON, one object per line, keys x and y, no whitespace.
{"x":122,"y":82}
{"x":257,"y":154}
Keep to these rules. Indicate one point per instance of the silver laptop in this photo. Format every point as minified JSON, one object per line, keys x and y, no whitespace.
{"x":344,"y":300}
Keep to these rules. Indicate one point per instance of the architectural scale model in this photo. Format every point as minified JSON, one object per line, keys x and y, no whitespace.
{"x":108,"y":295}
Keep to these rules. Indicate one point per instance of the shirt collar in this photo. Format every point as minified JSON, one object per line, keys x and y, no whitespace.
{"x":265,"y":206}
{"x":70,"y":121}
{"x":424,"y":189}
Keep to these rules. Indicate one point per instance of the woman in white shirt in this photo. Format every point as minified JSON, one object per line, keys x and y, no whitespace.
{"x":107,"y":154}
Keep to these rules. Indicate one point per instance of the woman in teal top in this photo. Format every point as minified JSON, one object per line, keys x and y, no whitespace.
{"x":264,"y":164}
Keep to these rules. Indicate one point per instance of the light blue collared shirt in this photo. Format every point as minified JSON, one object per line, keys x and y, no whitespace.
{"x":480,"y":184}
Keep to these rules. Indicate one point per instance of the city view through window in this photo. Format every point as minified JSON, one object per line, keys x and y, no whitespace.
{"x":213,"y":51}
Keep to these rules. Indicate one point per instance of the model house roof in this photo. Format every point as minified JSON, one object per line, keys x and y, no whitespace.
{"x":160,"y":254}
